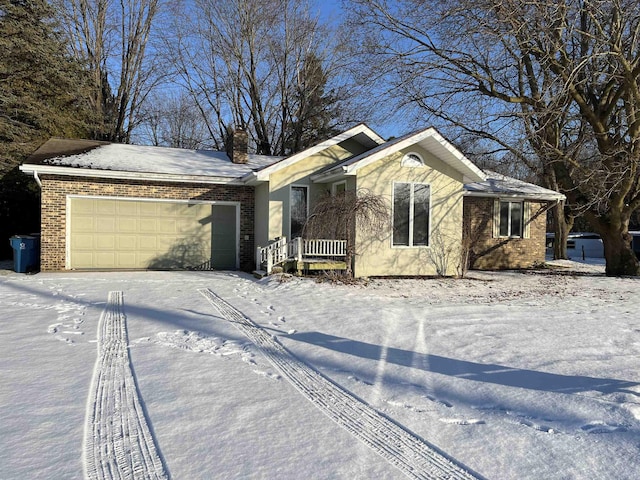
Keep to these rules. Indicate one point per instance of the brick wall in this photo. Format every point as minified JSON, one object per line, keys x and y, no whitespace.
{"x":54,"y":199}
{"x":488,"y":253}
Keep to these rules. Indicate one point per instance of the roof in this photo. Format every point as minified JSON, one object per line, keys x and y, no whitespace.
{"x":501,"y":186}
{"x":429,"y":139}
{"x":361,"y":133}
{"x":113,"y":160}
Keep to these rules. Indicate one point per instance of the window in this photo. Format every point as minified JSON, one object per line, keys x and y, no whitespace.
{"x":299,"y":211}
{"x":339,"y":187}
{"x":412,"y":160}
{"x":511,"y":219}
{"x":411,"y":214}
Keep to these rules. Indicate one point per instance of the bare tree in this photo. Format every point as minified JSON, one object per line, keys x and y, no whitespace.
{"x":564,"y":75}
{"x":243,"y":62}
{"x":111,"y":37}
{"x":338,"y":216}
{"x":172,"y":121}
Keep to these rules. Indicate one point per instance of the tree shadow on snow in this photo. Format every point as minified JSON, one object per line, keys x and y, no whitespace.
{"x":480,"y":372}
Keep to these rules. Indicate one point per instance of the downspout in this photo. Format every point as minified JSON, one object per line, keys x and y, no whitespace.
{"x":37,"y":179}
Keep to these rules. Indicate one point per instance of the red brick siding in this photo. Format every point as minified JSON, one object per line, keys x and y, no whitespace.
{"x":54,"y":200}
{"x":488,"y":253}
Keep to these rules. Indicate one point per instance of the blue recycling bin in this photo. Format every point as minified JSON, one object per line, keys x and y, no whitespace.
{"x":26,"y":252}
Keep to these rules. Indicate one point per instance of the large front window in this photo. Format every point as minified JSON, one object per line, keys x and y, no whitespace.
{"x":411,"y":214}
{"x":511,"y":215}
{"x":299,"y":210}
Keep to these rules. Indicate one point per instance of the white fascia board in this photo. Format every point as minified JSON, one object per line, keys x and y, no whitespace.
{"x":263,"y":175}
{"x":474,"y":174}
{"x":551,"y":197}
{"x":470,"y":172}
{"x":122,"y":175}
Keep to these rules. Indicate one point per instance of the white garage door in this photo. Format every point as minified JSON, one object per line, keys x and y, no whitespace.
{"x":150,"y":234}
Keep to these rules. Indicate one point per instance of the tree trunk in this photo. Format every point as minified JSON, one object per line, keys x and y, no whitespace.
{"x":562,"y":227}
{"x":619,"y":255}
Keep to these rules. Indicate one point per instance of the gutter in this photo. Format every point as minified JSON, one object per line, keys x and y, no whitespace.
{"x":518,"y":196}
{"x":122,"y":175}
{"x":331,"y":175}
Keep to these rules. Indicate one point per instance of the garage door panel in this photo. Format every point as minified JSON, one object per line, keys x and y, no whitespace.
{"x":84,"y":258}
{"x":105,"y":224}
{"x":147,"y":209}
{"x":105,"y":260}
{"x":126,"y":242}
{"x":147,"y":225}
{"x":106,"y":207}
{"x":105,"y":242}
{"x":147,"y":243}
{"x":127,"y":224}
{"x":139,"y":234}
{"x":127,"y":208}
{"x":124,"y":260}
{"x":83,"y":223}
{"x":166,"y":226}
{"x":82,"y":241}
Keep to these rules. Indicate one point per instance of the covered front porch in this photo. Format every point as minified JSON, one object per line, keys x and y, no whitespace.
{"x":301,"y":255}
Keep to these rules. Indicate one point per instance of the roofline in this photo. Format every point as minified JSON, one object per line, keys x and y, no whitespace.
{"x":551,"y":197}
{"x":123,"y":175}
{"x":331,"y":175}
{"x":351,"y":166}
{"x":263,"y":175}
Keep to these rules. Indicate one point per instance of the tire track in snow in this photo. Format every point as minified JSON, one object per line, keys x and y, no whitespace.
{"x":118,"y":442}
{"x":403,"y":449}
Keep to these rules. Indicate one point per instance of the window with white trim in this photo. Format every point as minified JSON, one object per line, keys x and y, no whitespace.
{"x":338,"y":188}
{"x":412,"y":159}
{"x":511,"y":218}
{"x":411,"y":214}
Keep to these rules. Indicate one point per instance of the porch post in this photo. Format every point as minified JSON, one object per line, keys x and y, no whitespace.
{"x":300,"y":252}
{"x":258,"y":258}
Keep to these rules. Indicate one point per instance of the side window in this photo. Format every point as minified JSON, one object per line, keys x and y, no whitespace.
{"x":511,"y":219}
{"x":338,"y":188}
{"x":411,"y":214}
{"x":299,"y":212}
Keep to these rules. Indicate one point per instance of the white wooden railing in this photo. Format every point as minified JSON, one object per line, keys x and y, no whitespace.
{"x":272,"y":254}
{"x":298,"y":249}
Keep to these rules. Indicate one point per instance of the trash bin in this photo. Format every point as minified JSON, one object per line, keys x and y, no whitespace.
{"x":26,"y":253}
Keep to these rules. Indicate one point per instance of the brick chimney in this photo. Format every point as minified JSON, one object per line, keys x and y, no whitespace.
{"x":237,"y":148}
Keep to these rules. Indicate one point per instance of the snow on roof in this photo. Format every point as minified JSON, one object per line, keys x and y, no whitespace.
{"x":497,"y":185}
{"x":161,"y":160}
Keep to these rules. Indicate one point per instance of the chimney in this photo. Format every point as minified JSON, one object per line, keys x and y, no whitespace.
{"x":238,"y":148}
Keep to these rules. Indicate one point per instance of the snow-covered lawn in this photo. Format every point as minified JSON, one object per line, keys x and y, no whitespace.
{"x":511,"y":375}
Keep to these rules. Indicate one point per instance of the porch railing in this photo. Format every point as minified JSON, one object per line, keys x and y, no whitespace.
{"x":298,"y":249}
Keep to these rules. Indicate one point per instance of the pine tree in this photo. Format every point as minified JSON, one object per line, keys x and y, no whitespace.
{"x":314,"y":110}
{"x":42,"y":94}
{"x":42,"y":90}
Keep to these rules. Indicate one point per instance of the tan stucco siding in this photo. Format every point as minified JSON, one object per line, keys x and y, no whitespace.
{"x":375,"y":255}
{"x":300,"y":173}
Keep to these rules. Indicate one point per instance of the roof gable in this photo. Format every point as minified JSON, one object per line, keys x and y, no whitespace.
{"x":429,"y":139}
{"x":361,"y":133}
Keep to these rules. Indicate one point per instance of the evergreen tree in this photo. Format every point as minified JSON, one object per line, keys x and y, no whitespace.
{"x":42,"y":90}
{"x":314,"y":110}
{"x":42,"y":94}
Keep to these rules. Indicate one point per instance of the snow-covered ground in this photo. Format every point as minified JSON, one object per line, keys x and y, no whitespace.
{"x":509,"y":375}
